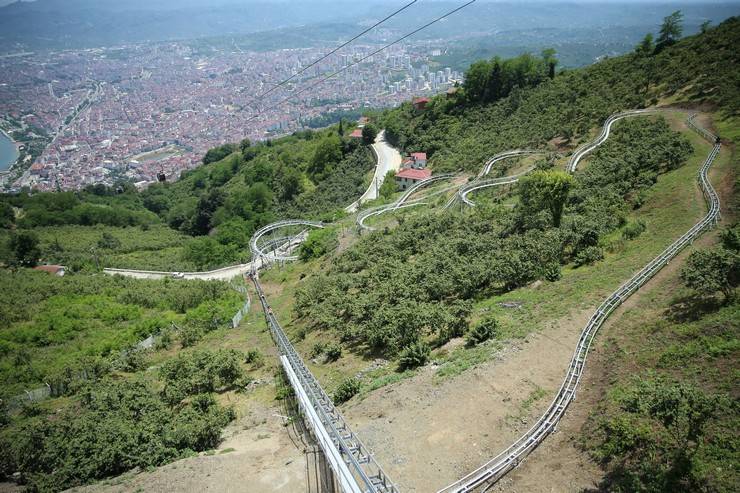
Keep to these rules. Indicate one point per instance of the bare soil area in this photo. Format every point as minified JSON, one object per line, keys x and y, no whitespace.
{"x":468,"y":418}
{"x":260,"y":455}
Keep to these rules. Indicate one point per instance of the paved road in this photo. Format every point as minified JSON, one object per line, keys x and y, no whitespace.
{"x":219,"y":274}
{"x":389,"y":159}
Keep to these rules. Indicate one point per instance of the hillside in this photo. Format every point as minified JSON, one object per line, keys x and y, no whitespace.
{"x":436,"y":319}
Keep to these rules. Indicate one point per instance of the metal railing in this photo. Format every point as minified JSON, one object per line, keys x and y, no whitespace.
{"x":401,"y":203}
{"x":501,"y":156}
{"x":258,"y":251}
{"x":605,"y":131}
{"x":356,"y":469}
{"x":515,"y":453}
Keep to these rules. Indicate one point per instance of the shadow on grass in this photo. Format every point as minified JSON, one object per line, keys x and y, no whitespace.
{"x":692,"y":307}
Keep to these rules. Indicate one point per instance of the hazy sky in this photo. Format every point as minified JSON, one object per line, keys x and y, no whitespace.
{"x":6,"y":2}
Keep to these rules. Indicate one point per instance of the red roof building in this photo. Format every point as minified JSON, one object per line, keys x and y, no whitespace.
{"x":356,"y":134}
{"x":56,"y":270}
{"x":408,"y":176}
{"x":420,"y":104}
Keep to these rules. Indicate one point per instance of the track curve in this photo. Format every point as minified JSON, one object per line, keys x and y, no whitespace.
{"x":259,"y":251}
{"x":507,"y":460}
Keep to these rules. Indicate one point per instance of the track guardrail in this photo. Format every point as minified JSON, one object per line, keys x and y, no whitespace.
{"x":258,"y":251}
{"x":510,"y":458}
{"x":354,"y":465}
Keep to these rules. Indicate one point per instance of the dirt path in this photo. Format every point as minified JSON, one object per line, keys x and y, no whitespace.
{"x":468,"y":418}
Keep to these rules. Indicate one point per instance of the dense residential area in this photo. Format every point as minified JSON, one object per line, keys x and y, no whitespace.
{"x":519,"y":276}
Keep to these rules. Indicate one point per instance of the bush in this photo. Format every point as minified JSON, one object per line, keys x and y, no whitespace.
{"x":113,"y":427}
{"x":317,"y":349}
{"x":588,"y":256}
{"x":255,"y":358}
{"x":414,"y":356}
{"x":318,"y":243}
{"x":486,"y":329}
{"x":347,"y":390}
{"x":633,"y":229}
{"x":333,"y":351}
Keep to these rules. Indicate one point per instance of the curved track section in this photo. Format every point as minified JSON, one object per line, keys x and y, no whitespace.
{"x":478,"y":183}
{"x":605,"y":131}
{"x":500,"y":157}
{"x":462,"y":194}
{"x":261,"y":251}
{"x":497,"y":467}
{"x":401,"y":203}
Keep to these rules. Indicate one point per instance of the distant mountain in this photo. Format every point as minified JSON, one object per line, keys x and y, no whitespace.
{"x":61,"y":24}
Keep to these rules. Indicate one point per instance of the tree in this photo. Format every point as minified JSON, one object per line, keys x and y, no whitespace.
{"x":7,"y":215}
{"x":389,"y":186}
{"x":328,"y":153}
{"x":25,"y":248}
{"x":369,"y":132}
{"x":671,"y":30}
{"x":218,"y":153}
{"x":259,"y":197}
{"x":292,"y":182}
{"x":318,"y":243}
{"x":545,"y":190}
{"x":704,"y":27}
{"x":548,"y":55}
{"x":709,"y":271}
{"x":244,"y":145}
{"x":646,"y":46}
{"x":476,"y":80}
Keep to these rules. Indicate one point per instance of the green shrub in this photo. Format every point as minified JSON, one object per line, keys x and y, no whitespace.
{"x":633,"y":229}
{"x":255,"y":358}
{"x":486,"y":329}
{"x":346,"y":390}
{"x":588,"y":256}
{"x":317,"y":349}
{"x":318,"y":243}
{"x":414,"y":356}
{"x":333,"y":351}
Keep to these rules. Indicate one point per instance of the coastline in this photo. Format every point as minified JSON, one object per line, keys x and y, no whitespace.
{"x":14,"y":163}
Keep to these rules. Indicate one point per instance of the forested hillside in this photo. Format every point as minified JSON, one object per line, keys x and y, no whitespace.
{"x":515,"y":104}
{"x":207,"y":216}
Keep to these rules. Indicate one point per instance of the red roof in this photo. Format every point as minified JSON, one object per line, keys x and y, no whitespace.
{"x":419,"y":156}
{"x":52,"y":269}
{"x":356,"y":134}
{"x":414,"y":174}
{"x":421,"y":100}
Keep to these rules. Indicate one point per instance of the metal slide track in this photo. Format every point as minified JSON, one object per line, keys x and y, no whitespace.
{"x":259,"y":251}
{"x":352,"y":463}
{"x":401,"y":203}
{"x":497,"y":467}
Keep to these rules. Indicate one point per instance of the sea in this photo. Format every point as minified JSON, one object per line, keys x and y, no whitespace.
{"x":8,"y":152}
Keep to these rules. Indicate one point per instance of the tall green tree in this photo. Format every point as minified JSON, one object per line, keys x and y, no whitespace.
{"x":369,"y":132}
{"x":545,"y":190}
{"x":671,"y":30}
{"x":646,"y":46}
{"x":328,"y":153}
{"x":548,"y":55}
{"x":25,"y":248}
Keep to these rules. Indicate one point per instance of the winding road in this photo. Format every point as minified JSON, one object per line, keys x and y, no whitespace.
{"x":388,"y":159}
